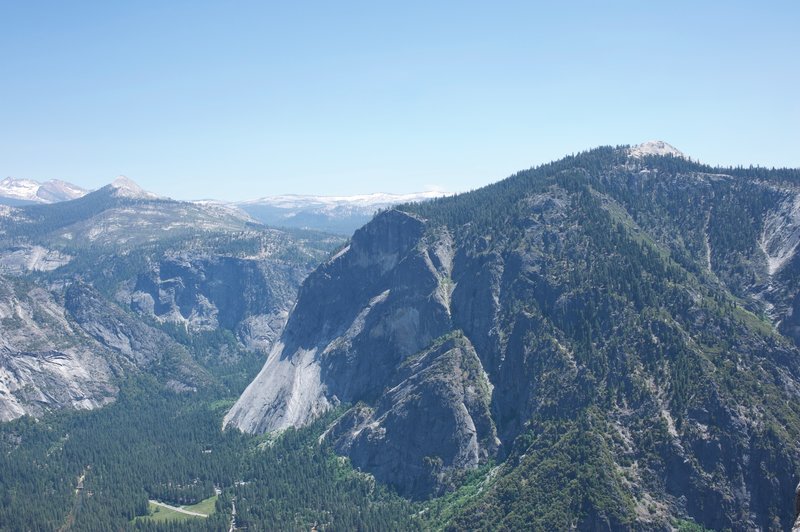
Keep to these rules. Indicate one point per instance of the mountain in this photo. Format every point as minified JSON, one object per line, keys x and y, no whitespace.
{"x":605,"y":342}
{"x":26,"y":191}
{"x":120,"y":282}
{"x":333,"y":214}
{"x":118,"y":214}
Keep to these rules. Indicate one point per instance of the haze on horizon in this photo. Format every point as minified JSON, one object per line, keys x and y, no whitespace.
{"x":204,"y":100}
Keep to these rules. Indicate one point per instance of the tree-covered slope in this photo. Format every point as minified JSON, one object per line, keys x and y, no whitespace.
{"x":156,"y":444}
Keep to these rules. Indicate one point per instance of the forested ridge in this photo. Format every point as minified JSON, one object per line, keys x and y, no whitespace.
{"x":651,"y":274}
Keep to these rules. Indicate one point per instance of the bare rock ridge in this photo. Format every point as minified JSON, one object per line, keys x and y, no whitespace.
{"x":576,"y":320}
{"x":654,"y":147}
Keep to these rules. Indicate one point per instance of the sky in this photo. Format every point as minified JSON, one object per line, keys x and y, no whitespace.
{"x":238,"y":100}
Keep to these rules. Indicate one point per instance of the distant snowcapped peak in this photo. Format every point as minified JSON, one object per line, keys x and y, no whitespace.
{"x":127,"y":188}
{"x":655,"y":147}
{"x":22,"y":187}
{"x":48,"y":192}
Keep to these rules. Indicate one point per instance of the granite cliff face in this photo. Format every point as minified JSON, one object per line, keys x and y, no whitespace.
{"x":437,"y":408}
{"x":39,"y":364}
{"x":67,"y":348}
{"x":612,"y":318}
{"x":207,"y":291}
{"x":358,"y":333}
{"x":349,"y":310}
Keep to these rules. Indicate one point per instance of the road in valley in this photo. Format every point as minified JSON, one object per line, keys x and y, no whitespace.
{"x":177,"y":509}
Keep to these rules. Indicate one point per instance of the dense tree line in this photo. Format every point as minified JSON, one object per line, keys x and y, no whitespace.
{"x":154,"y":444}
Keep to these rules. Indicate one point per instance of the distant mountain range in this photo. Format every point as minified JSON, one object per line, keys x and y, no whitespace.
{"x":27,"y":191}
{"x":332,"y":214}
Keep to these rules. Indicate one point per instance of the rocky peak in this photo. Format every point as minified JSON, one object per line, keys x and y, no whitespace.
{"x":654,"y":147}
{"x":357,"y":316}
{"x":391,"y":234}
{"x":123,"y":187}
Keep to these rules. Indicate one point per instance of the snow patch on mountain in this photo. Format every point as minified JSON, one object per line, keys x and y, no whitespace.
{"x":361,"y":202}
{"x":24,"y":189}
{"x":47,"y":192}
{"x":223,"y":208}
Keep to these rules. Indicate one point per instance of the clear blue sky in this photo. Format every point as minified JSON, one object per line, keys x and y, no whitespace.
{"x":236,"y":100}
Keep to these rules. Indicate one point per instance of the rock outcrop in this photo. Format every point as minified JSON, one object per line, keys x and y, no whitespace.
{"x":359,"y":332}
{"x":435,"y":415}
{"x":42,"y":366}
{"x":204,"y":292}
{"x":67,"y":350}
{"x":322,"y":357}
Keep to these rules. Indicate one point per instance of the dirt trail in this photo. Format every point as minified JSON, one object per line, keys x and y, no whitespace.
{"x":70,"y":520}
